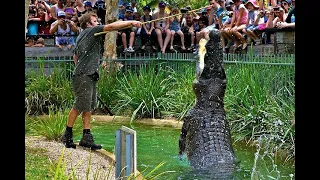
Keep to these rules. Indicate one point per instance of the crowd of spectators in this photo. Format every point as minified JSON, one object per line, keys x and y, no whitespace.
{"x":241,"y":22}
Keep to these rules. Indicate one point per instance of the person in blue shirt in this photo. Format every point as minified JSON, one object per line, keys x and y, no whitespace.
{"x":128,"y":32}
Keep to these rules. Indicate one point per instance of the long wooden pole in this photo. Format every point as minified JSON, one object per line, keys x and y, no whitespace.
{"x":104,"y":32}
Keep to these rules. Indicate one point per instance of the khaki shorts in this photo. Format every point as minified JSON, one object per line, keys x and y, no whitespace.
{"x":85,"y":93}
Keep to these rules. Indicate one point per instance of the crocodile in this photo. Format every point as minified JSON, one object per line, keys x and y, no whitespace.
{"x":205,"y":135}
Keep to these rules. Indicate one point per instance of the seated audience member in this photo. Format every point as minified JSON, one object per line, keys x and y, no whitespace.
{"x":39,"y":42}
{"x":219,"y":20}
{"x":63,"y":27}
{"x":128,"y":32}
{"x":147,"y":30}
{"x":260,"y":26}
{"x":29,"y":42}
{"x":239,"y":21}
{"x":288,"y":22}
{"x":32,"y":24}
{"x":133,"y":4}
{"x":286,"y":6}
{"x":175,"y":27}
{"x":162,"y":26}
{"x":225,"y":30}
{"x":252,"y":7}
{"x":43,"y":20}
{"x":137,"y":17}
{"x":277,"y":14}
{"x":188,"y":28}
{"x":214,"y":13}
{"x":100,"y":7}
{"x":84,"y":7}
{"x":226,"y":33}
{"x":57,"y":8}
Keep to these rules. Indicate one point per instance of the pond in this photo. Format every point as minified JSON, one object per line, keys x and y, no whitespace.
{"x":156,"y":144}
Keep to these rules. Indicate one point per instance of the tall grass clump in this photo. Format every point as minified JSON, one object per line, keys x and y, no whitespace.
{"x":181,"y":98}
{"x":108,"y":86}
{"x":53,"y":126}
{"x":259,"y":101}
{"x":43,"y":91}
{"x":143,"y":93}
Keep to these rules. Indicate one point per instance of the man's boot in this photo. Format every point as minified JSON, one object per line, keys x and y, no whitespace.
{"x":88,"y":142}
{"x":67,"y":140}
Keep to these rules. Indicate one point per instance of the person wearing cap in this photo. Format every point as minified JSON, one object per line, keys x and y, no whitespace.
{"x":288,"y":23}
{"x":225,"y":24}
{"x":83,"y":7}
{"x":162,"y":26}
{"x":128,"y":32}
{"x":252,"y":7}
{"x":147,"y":30}
{"x":63,"y":27}
{"x":286,"y":5}
{"x":87,"y":57}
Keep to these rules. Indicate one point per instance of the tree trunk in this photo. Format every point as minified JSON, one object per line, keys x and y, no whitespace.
{"x":26,"y":13}
{"x":110,"y":47}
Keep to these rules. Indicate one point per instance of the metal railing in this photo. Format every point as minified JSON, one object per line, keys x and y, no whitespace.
{"x":283,"y":64}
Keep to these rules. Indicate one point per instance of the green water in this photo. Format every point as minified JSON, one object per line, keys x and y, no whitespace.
{"x":157,"y":144}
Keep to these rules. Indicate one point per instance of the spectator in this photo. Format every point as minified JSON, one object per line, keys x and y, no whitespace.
{"x":100,"y":7}
{"x":260,"y":26}
{"x":277,"y":14}
{"x":252,"y":7}
{"x":288,"y":23}
{"x":137,"y":17}
{"x":286,"y":5}
{"x":45,"y":20}
{"x":32,"y":25}
{"x":69,"y":9}
{"x":223,"y":15}
{"x":51,"y":2}
{"x":87,"y":7}
{"x":55,"y":9}
{"x":63,"y":27}
{"x":128,"y":32}
{"x":189,"y":30}
{"x":147,"y":30}
{"x":162,"y":26}
{"x":175,"y":27}
{"x":39,"y":42}
{"x":225,"y":30}
{"x":215,"y":12}
{"x":291,"y":12}
{"x":239,"y":21}
{"x":29,"y":42}
{"x":133,"y":5}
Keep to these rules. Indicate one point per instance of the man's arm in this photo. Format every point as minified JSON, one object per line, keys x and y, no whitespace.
{"x":115,"y":26}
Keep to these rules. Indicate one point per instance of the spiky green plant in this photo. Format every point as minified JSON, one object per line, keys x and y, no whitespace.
{"x":43,"y":91}
{"x":144,"y":92}
{"x":53,"y":126}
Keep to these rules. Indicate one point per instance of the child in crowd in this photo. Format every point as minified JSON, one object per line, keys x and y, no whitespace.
{"x":252,"y":7}
{"x":238,"y":23}
{"x":147,"y":30}
{"x":175,"y":27}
